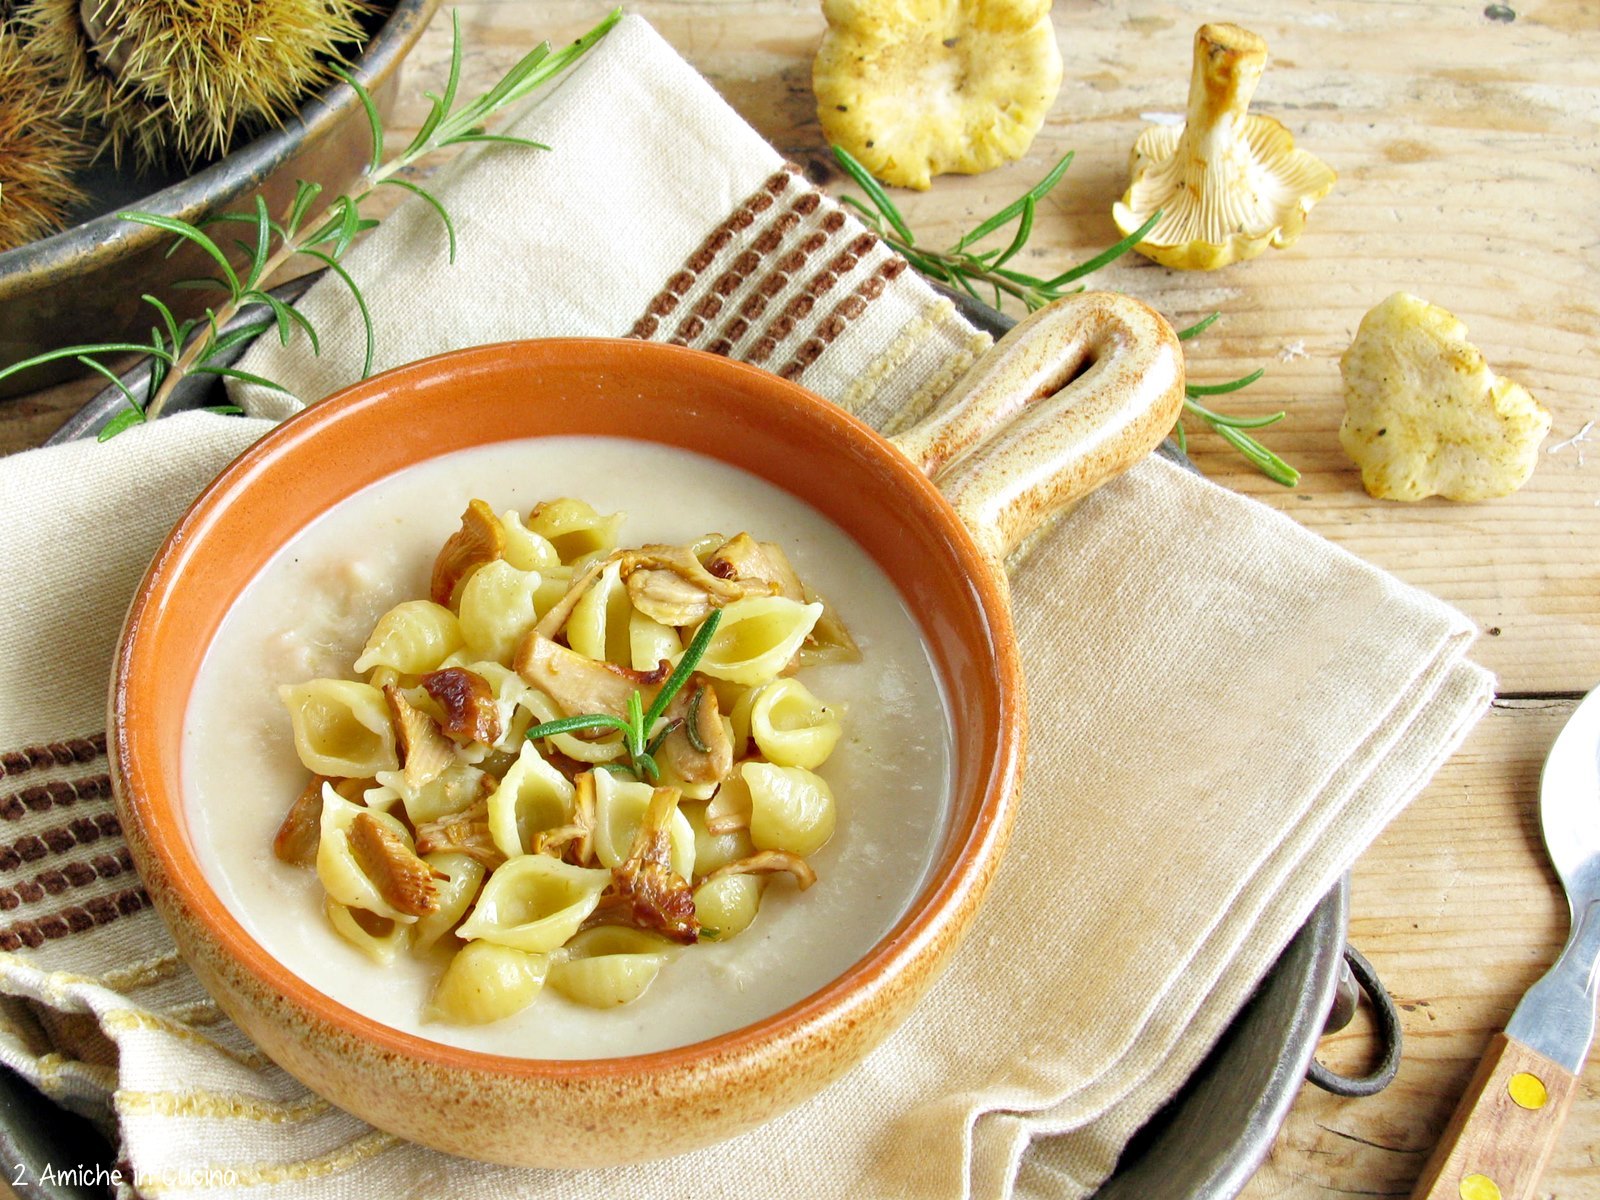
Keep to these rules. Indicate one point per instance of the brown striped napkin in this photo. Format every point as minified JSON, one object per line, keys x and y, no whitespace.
{"x":1036,"y":1056}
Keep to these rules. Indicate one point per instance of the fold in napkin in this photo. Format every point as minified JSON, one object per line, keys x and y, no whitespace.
{"x":1225,"y":708}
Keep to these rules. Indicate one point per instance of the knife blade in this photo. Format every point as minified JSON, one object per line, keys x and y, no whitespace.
{"x":1503,"y":1131}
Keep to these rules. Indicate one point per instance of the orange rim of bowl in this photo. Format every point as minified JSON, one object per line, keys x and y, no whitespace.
{"x":971,"y":850}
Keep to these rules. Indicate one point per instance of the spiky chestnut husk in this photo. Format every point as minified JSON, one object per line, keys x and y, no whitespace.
{"x":39,"y":150}
{"x":183,"y":80}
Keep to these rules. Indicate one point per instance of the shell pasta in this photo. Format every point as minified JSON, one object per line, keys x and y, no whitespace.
{"x":570,"y":762}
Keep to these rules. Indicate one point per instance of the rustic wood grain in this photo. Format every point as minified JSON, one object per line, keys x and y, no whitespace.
{"x":1467,"y":151}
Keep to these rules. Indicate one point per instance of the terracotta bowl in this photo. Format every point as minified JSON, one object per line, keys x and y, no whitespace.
{"x":1013,"y":444}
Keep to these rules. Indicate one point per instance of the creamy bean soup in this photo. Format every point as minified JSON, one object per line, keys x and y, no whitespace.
{"x":308,"y":616}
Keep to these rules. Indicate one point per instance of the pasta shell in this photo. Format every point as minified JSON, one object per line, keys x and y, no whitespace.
{"x":726,"y":905}
{"x":458,"y":878}
{"x":532,"y":797}
{"x":757,"y":638}
{"x":379,"y":938}
{"x":455,"y":790}
{"x":574,"y":528}
{"x":598,"y":627}
{"x":524,"y":549}
{"x":729,"y":810}
{"x":341,"y":728}
{"x":534,"y":903}
{"x":620,"y":809}
{"x":790,"y":808}
{"x":497,"y":610}
{"x":609,"y":966}
{"x":792,"y":727}
{"x":486,"y":982}
{"x":713,"y":850}
{"x":338,"y":867}
{"x":650,"y":642}
{"x":412,"y":637}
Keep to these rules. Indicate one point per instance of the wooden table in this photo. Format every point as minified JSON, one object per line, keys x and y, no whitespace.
{"x":1467,"y":150}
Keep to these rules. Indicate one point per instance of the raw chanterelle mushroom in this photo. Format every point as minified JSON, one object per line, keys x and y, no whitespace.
{"x":915,"y":88}
{"x":1228,"y":183}
{"x":1426,"y":416}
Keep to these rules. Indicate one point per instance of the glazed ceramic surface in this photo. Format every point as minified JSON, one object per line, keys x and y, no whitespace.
{"x":1026,"y":433}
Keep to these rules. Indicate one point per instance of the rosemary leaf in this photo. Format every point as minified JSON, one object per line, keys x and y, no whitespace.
{"x":125,"y":419}
{"x":698,"y":645}
{"x":244,"y":333}
{"x":501,"y":139}
{"x":287,"y":317}
{"x":189,"y":232}
{"x":106,"y":371}
{"x":1222,"y":389}
{"x":864,"y":180}
{"x":374,"y":121}
{"x":305,"y":195}
{"x":1106,"y":256}
{"x":1024,"y":232}
{"x":578,"y":725}
{"x":167,"y":317}
{"x":1011,"y":211}
{"x":50,"y":356}
{"x":258,"y":260}
{"x":1199,"y":327}
{"x":242,"y":376}
{"x":1264,"y":460}
{"x":361,"y":306}
{"x":432,"y":201}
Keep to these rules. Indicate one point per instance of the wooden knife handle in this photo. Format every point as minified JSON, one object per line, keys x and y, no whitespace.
{"x":1498,"y":1141}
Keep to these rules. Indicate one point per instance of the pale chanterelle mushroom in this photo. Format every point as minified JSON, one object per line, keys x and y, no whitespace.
{"x":1228,"y":183}
{"x":1426,"y":416}
{"x":916,"y":88}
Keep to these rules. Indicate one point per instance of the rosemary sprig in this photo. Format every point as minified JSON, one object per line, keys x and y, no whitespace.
{"x":182,"y":348}
{"x":637,"y":739}
{"x":1230,"y":428}
{"x":969,"y":269}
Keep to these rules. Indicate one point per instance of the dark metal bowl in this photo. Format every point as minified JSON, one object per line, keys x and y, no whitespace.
{"x":84,"y":283}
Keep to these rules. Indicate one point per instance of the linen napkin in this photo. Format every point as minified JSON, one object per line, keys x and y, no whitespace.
{"x":1186,"y":803}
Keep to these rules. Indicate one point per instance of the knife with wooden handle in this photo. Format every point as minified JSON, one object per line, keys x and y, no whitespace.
{"x":1500,"y":1138}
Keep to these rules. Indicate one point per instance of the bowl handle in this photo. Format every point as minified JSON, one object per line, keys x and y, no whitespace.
{"x":1073,"y":395}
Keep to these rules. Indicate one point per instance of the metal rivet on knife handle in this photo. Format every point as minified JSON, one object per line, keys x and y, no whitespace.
{"x":1527,"y":1090}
